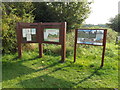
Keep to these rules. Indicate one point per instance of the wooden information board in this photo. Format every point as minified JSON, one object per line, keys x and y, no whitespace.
{"x":51,"y":33}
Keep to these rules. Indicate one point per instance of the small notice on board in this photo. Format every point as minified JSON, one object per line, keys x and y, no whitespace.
{"x":29,"y":37}
{"x":24,"y":32}
{"x":27,"y":33}
{"x":33,"y":31}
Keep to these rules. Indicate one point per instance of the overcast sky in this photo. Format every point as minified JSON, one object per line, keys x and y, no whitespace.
{"x":102,"y":11}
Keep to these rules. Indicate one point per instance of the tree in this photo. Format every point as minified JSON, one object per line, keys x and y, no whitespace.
{"x":74,"y":13}
{"x":115,"y":23}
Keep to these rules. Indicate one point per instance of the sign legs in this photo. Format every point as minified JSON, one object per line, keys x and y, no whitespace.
{"x":74,"y":52}
{"x":103,"y":53}
{"x":75,"y":44}
{"x":104,"y":46}
{"x":40,"y":50}
{"x":19,"y":50}
{"x":63,"y":53}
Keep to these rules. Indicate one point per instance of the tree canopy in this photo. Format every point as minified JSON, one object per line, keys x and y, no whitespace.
{"x":74,"y":13}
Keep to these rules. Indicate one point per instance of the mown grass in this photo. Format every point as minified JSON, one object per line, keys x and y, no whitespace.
{"x":47,"y":72}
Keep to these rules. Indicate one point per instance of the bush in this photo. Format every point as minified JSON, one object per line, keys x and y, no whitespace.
{"x":10,"y":18}
{"x":111,"y":36}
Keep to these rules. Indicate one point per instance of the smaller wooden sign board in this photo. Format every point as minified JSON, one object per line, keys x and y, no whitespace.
{"x":96,"y":37}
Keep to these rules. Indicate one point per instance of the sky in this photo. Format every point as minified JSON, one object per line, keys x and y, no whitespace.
{"x":102,"y":11}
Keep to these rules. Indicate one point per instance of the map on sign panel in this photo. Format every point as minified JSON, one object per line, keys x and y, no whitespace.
{"x":94,"y":37}
{"x":51,"y":34}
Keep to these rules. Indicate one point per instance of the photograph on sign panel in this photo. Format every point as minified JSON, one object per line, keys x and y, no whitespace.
{"x":51,"y":34}
{"x":94,"y":37}
{"x":29,"y":34}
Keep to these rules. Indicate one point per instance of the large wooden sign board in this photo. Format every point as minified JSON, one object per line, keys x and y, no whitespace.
{"x":51,"y":33}
{"x":96,"y":37}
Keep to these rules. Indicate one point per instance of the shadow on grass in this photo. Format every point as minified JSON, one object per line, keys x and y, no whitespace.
{"x":85,"y":79}
{"x":11,"y":70}
{"x":45,"y":81}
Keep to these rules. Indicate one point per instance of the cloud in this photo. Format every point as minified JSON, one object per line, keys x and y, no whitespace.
{"x":102,"y":11}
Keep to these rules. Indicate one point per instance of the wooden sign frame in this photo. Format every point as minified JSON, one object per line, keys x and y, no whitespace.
{"x":62,"y":36}
{"x":40,"y":36}
{"x":19,"y":35}
{"x":104,"y":43}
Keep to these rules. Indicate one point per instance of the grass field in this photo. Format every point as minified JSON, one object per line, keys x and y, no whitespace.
{"x":47,"y":72}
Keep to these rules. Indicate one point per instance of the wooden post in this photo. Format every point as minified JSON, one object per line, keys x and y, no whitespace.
{"x":39,"y":39}
{"x":102,"y":62}
{"x":19,"y":40}
{"x":75,"y":44}
{"x":104,"y":46}
{"x":19,"y":50}
{"x":63,"y":46}
{"x":40,"y":50}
